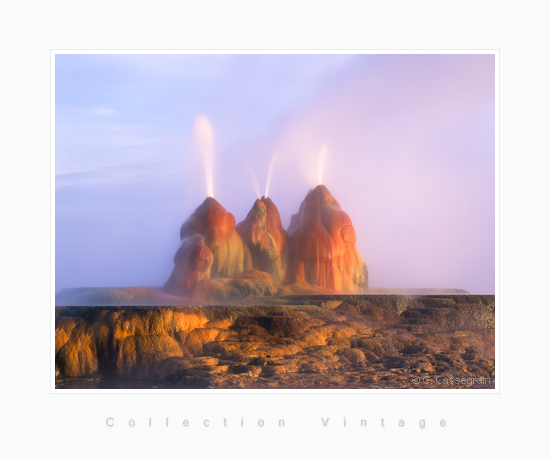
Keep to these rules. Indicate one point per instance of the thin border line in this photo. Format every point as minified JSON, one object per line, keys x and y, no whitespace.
{"x":53,"y":390}
{"x":478,"y":51}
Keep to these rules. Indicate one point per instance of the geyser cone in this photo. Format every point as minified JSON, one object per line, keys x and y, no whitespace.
{"x":265,"y":238}
{"x":211,"y":248}
{"x":322,"y":246}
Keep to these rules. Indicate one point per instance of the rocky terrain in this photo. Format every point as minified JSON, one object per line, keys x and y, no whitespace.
{"x":321,"y":342}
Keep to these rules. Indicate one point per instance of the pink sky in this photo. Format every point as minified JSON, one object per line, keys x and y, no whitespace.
{"x":410,"y":156}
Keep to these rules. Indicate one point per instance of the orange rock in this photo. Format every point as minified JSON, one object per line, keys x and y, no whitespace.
{"x":75,"y":349}
{"x":322,"y":246}
{"x":265,"y":238}
{"x":211,"y":248}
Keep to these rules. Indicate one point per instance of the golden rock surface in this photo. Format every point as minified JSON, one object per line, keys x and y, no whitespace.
{"x":354,"y":342}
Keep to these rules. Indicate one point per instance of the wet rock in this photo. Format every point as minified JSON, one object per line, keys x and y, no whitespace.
{"x":251,"y":330}
{"x":286,"y":326}
{"x":353,"y":355}
{"x":330,"y":304}
{"x":300,"y":287}
{"x":322,"y":246}
{"x":380,"y":346}
{"x":211,"y":248}
{"x":481,"y":315}
{"x":421,"y":365}
{"x":330,"y":334}
{"x":347,"y":309}
{"x":396,"y":362}
{"x":254,"y":283}
{"x":266,"y":239}
{"x":135,"y":353}
{"x":75,"y":350}
{"x":416,"y":350}
{"x":317,"y":366}
{"x":280,"y":346}
{"x":197,"y":338}
{"x":448,"y":318}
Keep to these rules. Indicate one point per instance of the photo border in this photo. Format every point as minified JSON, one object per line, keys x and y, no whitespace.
{"x":419,"y":391}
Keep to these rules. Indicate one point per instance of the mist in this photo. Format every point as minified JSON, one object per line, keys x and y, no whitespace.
{"x":405,"y":143}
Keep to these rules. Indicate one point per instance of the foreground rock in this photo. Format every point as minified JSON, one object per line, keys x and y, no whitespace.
{"x":332,"y":342}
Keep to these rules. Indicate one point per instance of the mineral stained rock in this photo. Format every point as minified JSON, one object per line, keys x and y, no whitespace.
{"x":218,"y":261}
{"x":211,"y":248}
{"x":322,"y":246}
{"x":351,"y":341}
{"x":266,"y":239}
{"x":250,"y":284}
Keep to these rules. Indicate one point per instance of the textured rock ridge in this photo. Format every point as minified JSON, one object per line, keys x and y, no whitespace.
{"x":344,"y":342}
{"x":218,"y":261}
{"x":266,"y":239}
{"x":322,"y":246}
{"x":211,"y":248}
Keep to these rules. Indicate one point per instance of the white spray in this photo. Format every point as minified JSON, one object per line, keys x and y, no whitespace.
{"x":269,"y":174}
{"x":202,"y":144}
{"x":322,"y":161}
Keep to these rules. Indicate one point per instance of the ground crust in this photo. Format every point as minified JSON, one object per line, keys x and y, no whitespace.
{"x":304,"y":342}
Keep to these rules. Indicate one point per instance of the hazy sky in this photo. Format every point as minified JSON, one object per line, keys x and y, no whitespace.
{"x":408,"y":142}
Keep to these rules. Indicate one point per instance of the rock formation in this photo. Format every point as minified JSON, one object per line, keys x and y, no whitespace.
{"x":356,"y":341}
{"x":322,"y":246}
{"x":218,"y":261}
{"x":266,"y":239}
{"x":250,"y":284}
{"x":211,"y":248}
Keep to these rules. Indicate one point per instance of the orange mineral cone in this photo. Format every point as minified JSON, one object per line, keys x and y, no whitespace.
{"x":322,"y":246}
{"x":265,"y":238}
{"x":211,"y":248}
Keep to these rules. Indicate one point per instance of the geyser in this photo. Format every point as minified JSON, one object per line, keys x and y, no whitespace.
{"x":255,"y":183}
{"x":202,"y":144}
{"x":265,"y":238}
{"x":322,"y":246}
{"x":322,"y":160}
{"x":269,"y":174}
{"x":218,"y":261}
{"x":211,"y":248}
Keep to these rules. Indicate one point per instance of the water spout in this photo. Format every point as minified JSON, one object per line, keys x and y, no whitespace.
{"x":255,"y":183}
{"x":202,"y":144}
{"x":322,"y":161}
{"x":269,"y":174}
